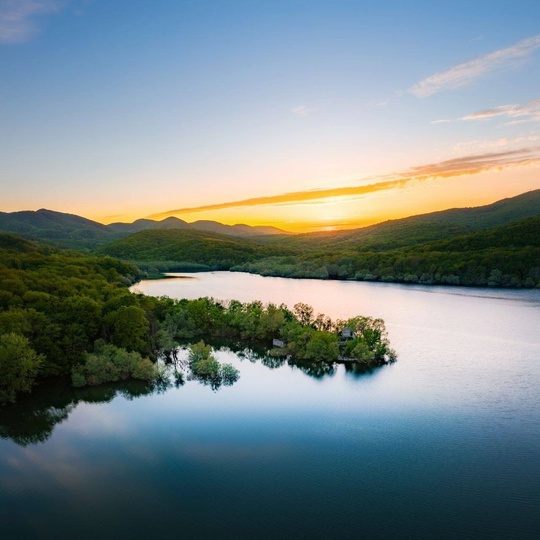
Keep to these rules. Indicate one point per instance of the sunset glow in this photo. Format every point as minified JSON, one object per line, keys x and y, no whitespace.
{"x":296,"y":115}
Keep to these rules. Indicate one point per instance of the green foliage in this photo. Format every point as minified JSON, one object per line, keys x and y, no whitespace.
{"x":205,"y":367}
{"x":322,"y":347}
{"x":78,"y":315}
{"x":129,"y":327}
{"x":110,"y":364}
{"x":506,"y":256}
{"x":199,"y":352}
{"x":188,"y":247}
{"x":57,"y":229}
{"x":62,"y":302}
{"x":19,"y":366}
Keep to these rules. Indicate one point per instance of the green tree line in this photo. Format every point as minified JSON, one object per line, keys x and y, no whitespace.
{"x":65,"y":313}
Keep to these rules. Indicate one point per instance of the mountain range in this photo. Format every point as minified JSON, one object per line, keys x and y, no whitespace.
{"x":72,"y":231}
{"x":496,"y":244}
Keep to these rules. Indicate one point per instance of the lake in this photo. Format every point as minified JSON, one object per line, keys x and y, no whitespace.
{"x":445,"y":443}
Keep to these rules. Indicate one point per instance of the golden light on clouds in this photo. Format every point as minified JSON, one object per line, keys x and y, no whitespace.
{"x":338,"y":207}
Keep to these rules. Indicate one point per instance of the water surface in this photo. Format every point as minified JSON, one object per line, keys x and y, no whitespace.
{"x":444,"y":443}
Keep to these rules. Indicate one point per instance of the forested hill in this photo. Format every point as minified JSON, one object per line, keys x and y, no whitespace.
{"x":216,"y":251}
{"x":57,"y":299}
{"x":57,"y":229}
{"x":71,"y":231}
{"x":422,"y":228}
{"x":200,"y":225}
{"x":457,"y":246}
{"x":505,"y":256}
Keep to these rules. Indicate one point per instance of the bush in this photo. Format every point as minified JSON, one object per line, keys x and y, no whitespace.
{"x":109,"y":363}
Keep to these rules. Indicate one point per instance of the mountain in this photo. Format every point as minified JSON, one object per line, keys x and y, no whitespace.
{"x":236,"y":230}
{"x":57,"y":228}
{"x":71,"y":231}
{"x":201,"y":225}
{"x":144,"y":224}
{"x":419,"y":229}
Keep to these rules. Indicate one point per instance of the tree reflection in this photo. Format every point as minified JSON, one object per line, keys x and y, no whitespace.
{"x":33,"y":418}
{"x":317,"y":370}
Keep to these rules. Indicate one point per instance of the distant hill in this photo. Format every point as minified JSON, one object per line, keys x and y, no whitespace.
{"x":71,"y":231}
{"x":144,"y":224}
{"x":422,"y":228}
{"x":236,"y":230}
{"x":188,"y":246}
{"x":201,"y":225}
{"x":503,"y":256}
{"x":57,"y":228}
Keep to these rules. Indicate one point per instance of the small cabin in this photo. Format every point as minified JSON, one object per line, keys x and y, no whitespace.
{"x":347,"y":333}
{"x":279,"y":343}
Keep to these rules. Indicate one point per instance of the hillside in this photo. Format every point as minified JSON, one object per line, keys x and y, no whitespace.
{"x":419,"y":229}
{"x":71,"y":231}
{"x":506,"y":256}
{"x":188,"y":246}
{"x":57,"y":228}
{"x":200,"y":225}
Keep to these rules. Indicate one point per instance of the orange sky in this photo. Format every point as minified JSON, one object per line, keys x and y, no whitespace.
{"x":467,"y":181}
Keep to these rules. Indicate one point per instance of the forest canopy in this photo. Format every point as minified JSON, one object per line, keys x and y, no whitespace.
{"x":66,"y":313}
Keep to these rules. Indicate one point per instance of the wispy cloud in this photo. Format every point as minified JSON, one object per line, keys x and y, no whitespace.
{"x":466,"y":72}
{"x":530,"y":109}
{"x":477,"y":146}
{"x":467,"y":165}
{"x":484,"y":145}
{"x":19,"y":18}
{"x":302,"y":110}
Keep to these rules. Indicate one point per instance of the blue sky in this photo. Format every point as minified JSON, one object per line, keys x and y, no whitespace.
{"x":117,"y":110}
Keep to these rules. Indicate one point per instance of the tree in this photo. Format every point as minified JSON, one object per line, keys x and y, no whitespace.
{"x":322,"y":347}
{"x":19,"y":366}
{"x":130,"y":328}
{"x":304,"y":313}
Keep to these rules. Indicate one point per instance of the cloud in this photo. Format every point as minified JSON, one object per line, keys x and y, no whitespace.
{"x":302,"y":110}
{"x":471,"y":146}
{"x":467,"y":165}
{"x":476,"y":145}
{"x":466,"y":72}
{"x":18,"y":17}
{"x":530,"y":110}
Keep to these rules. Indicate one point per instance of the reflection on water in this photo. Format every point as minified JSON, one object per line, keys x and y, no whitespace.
{"x":442,"y":444}
{"x":33,"y":418}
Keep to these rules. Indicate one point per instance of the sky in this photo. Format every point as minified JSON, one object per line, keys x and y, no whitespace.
{"x":304,"y":115}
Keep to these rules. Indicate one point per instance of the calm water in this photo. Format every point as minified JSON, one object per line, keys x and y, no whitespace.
{"x":445,"y":443}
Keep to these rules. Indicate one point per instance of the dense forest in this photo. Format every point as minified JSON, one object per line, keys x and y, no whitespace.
{"x":216,"y":251}
{"x":502,"y":256}
{"x":506,"y":256}
{"x":66,"y":313}
{"x":494,"y":245}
